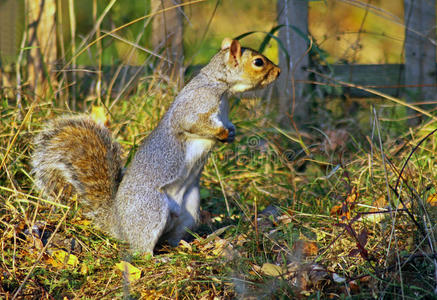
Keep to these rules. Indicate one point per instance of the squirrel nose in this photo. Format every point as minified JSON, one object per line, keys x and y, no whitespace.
{"x":278,"y":72}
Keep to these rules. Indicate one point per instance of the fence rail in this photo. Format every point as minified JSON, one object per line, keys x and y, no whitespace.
{"x":415,"y":80}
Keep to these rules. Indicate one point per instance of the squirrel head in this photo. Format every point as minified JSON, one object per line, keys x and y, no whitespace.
{"x":244,"y":68}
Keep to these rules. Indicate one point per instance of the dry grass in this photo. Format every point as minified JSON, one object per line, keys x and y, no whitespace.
{"x":342,"y":227}
{"x":348,"y":211}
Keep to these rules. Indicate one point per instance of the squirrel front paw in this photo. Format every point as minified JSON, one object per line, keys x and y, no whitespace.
{"x":227,"y":135}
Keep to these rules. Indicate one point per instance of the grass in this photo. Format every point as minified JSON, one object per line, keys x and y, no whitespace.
{"x":333,"y":233}
{"x":346,"y":212}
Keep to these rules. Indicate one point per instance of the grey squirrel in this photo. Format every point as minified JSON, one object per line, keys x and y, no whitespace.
{"x":157,"y":198}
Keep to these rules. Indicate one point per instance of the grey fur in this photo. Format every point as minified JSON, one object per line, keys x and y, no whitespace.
{"x":158,"y":197}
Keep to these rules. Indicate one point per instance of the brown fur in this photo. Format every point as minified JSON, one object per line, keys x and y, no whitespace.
{"x":87,"y":150}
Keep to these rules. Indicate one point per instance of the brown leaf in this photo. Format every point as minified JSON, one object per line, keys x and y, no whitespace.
{"x":344,"y":209}
{"x":305,"y":248}
{"x":432,"y":200}
{"x":354,"y":287}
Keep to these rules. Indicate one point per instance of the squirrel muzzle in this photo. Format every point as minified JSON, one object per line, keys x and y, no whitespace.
{"x":271,"y":76}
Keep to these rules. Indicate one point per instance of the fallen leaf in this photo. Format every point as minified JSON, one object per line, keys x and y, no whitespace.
{"x":305,"y":248}
{"x":272,"y":270}
{"x":432,"y":200}
{"x":61,"y":258}
{"x":223,"y":248}
{"x":132,"y":273}
{"x":354,"y":287}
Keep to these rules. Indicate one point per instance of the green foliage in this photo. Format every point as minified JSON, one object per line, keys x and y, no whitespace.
{"x":114,"y":51}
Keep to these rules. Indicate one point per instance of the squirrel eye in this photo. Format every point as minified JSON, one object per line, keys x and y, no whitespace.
{"x":258,"y":62}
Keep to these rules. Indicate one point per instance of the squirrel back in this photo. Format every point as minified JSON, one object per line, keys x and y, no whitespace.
{"x":75,"y":155}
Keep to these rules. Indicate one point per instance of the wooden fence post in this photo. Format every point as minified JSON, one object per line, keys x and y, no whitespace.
{"x":167,"y":34}
{"x":8,"y":33}
{"x":8,"y":43}
{"x":293,"y":15}
{"x":420,"y":50}
{"x":41,"y":38}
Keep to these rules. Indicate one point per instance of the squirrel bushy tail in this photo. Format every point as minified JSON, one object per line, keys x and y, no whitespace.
{"x":75,"y":155}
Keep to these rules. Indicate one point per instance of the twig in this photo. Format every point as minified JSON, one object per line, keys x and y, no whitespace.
{"x":410,"y":155}
{"x":221,"y":186}
{"x":135,"y":45}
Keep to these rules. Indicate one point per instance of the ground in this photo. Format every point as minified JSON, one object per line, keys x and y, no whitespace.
{"x":340,"y":212}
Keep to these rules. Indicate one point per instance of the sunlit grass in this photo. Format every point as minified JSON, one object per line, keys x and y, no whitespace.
{"x":343,"y":221}
{"x":319,"y":196}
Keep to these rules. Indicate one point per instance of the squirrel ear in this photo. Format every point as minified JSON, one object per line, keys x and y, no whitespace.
{"x":234,"y":54}
{"x":226,"y":43}
{"x":235,"y":49}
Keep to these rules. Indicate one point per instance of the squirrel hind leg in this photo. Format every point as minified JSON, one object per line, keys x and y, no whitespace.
{"x":146,"y":237}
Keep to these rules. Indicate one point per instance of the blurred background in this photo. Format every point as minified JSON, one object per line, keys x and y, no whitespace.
{"x":335,"y":25}
{"x":67,"y":43}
